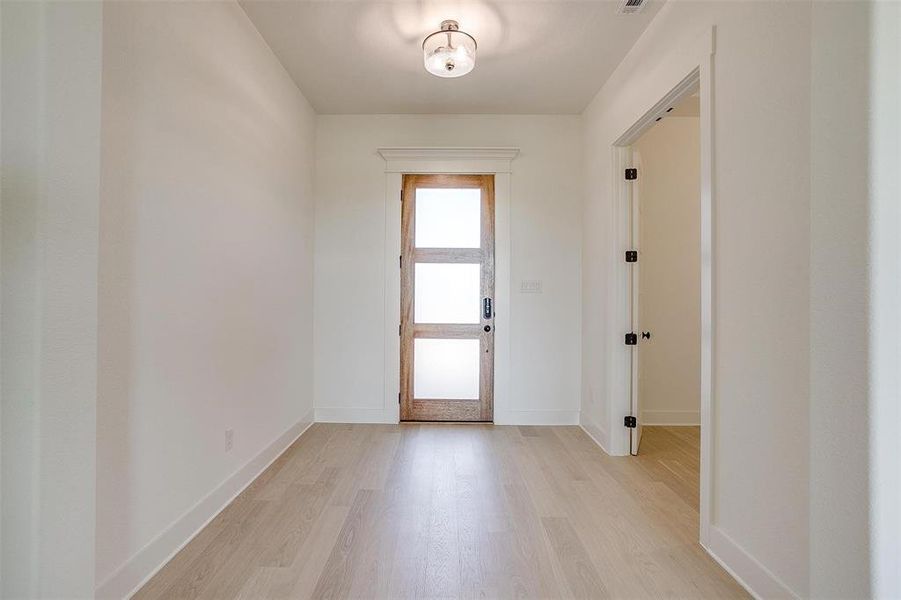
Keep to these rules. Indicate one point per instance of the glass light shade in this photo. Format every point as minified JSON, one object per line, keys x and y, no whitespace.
{"x":449,"y":52}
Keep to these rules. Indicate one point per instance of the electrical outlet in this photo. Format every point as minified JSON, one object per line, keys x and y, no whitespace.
{"x":229,"y":439}
{"x":530,"y":286}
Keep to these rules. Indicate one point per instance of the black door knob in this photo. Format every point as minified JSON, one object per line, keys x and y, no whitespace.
{"x":487,"y":328}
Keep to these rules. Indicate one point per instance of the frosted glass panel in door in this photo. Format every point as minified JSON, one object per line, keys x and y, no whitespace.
{"x":447,"y":293}
{"x":445,"y":369}
{"x":448,"y":218}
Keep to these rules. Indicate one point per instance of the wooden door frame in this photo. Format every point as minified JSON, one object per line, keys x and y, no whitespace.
{"x":411,"y":408}
{"x":481,"y":160}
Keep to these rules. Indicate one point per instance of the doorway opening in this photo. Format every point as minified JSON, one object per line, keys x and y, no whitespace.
{"x":447,"y":298}
{"x":666,"y":281}
{"x":694,"y":81}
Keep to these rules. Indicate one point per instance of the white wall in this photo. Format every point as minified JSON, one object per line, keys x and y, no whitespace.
{"x":855,"y":483}
{"x":885,"y":283}
{"x":205,"y":274}
{"x":50,"y":193}
{"x":761,"y":163}
{"x":669,"y":185}
{"x":840,"y":294}
{"x":350,"y":256}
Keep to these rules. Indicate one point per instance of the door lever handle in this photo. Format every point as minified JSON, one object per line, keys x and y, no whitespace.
{"x":486,"y":308}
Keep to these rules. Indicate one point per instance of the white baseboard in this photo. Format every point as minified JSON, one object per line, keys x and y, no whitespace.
{"x":759,"y":581}
{"x":670,"y":417}
{"x":353,"y":415}
{"x":598,"y":435}
{"x":508,"y":417}
{"x":138,"y":569}
{"x":537,"y":417}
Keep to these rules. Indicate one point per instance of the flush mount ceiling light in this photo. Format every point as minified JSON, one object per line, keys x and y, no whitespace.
{"x":449,"y":52}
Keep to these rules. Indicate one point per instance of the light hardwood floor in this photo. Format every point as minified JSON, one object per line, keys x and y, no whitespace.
{"x":439,"y":510}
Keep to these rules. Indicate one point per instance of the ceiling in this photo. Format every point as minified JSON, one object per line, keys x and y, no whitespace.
{"x":534,"y":56}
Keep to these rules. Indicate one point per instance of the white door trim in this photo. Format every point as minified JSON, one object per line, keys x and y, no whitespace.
{"x":698,"y":72}
{"x":448,"y":160}
{"x":497,"y":161}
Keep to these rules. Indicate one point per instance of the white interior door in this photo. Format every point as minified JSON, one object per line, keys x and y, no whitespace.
{"x":635,"y":277}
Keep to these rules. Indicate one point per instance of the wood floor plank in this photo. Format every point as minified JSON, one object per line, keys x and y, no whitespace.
{"x":442,"y":574}
{"x":336,"y":576}
{"x":300,"y":579}
{"x":581,"y":576}
{"x":458,"y":511}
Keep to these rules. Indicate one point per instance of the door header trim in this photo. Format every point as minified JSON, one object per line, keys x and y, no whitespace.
{"x":429,"y":159}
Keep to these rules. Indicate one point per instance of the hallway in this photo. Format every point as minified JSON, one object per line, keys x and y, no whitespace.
{"x":458,"y":511}
{"x":252,"y":252}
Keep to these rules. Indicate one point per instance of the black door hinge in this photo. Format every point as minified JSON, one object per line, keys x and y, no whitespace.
{"x":631,"y":174}
{"x":631,"y":339}
{"x":400,"y":261}
{"x":631,"y":256}
{"x":630,"y":422}
{"x":398,"y":329}
{"x":398,"y":397}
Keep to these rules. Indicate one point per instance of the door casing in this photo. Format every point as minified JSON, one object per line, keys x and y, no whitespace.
{"x":497,"y":161}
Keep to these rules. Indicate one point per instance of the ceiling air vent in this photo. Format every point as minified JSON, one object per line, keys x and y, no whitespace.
{"x":631,"y":7}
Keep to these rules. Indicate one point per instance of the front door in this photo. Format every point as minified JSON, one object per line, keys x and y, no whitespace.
{"x":447,"y":298}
